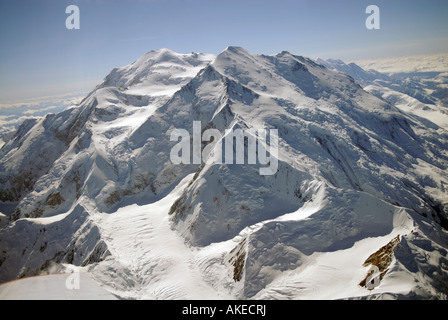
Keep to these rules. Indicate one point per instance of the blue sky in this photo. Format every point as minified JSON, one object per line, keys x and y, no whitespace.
{"x":40,"y":57}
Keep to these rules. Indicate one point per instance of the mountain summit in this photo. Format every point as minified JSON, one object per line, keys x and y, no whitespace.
{"x":357,"y":205}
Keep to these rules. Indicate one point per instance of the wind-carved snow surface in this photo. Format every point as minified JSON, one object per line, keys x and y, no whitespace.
{"x":94,"y":186}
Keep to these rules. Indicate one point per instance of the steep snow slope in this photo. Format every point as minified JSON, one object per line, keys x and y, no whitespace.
{"x":52,"y":165}
{"x":158,"y":72}
{"x":419,"y":86}
{"x":413,"y":93}
{"x":362,"y":76}
{"x":354,"y":173}
{"x":84,"y":145}
{"x":436,"y":114}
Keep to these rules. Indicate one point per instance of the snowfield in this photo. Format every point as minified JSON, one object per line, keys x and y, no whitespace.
{"x":55,"y":287}
{"x":417,"y":63}
{"x":357,"y":207}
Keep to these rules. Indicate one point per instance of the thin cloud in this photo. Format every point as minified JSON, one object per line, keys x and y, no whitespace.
{"x":13,"y":114}
{"x":67,"y":98}
{"x":39,"y":110}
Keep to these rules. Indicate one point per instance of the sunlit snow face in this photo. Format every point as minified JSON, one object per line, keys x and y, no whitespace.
{"x":212,"y":153}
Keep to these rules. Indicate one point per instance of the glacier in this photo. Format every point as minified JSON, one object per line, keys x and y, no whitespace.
{"x":93,"y":186}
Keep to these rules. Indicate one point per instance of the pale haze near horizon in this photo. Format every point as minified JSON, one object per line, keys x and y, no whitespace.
{"x":41,"y":57}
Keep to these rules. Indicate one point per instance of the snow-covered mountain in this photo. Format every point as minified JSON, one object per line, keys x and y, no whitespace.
{"x":423,"y":94}
{"x":409,"y":84}
{"x":356,"y":208}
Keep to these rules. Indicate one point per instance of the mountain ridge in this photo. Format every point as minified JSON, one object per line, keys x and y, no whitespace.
{"x":342,"y":153}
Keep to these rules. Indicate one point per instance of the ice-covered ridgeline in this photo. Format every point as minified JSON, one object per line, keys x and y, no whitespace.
{"x":422,"y":94}
{"x":79,"y":143}
{"x":354,"y":172}
{"x":52,"y":165}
